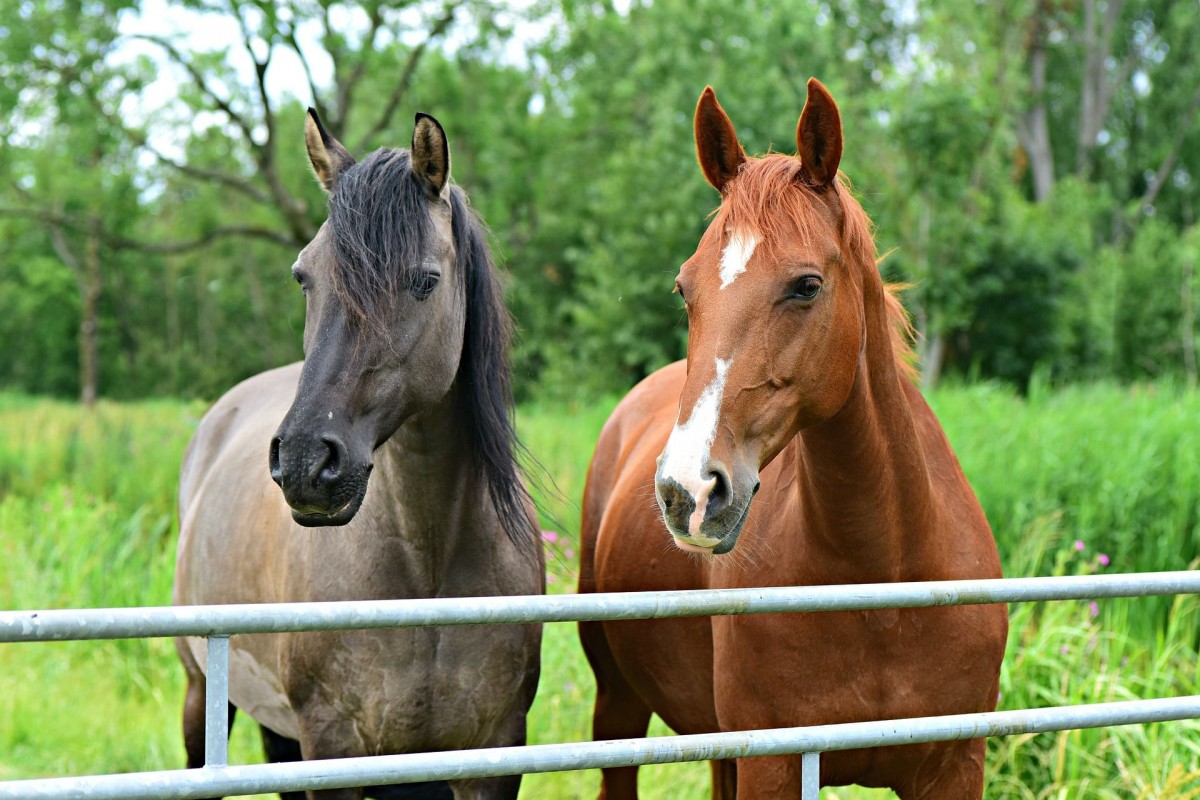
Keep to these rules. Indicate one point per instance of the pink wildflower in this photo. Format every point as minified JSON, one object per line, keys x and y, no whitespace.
{"x":1103,"y":559}
{"x":550,"y":536}
{"x":1079,"y":546}
{"x":1094,"y":609}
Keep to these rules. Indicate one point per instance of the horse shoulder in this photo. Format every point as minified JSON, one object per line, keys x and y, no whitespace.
{"x":645,"y":414}
{"x":225,"y":475}
{"x":254,"y":404}
{"x":625,"y":545}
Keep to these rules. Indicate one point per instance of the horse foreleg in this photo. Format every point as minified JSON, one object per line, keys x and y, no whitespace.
{"x":193,"y":708}
{"x":279,"y":749}
{"x":772,"y":776}
{"x":336,"y":794}
{"x":724,"y":779}
{"x":619,"y":712}
{"x":954,"y":771}
{"x":504,"y":788}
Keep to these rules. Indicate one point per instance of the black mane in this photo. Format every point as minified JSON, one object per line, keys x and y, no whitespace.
{"x":379,"y":223}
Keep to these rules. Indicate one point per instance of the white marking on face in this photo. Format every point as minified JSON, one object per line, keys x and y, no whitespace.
{"x":685,"y":459}
{"x":736,"y":256}
{"x":331,"y":415}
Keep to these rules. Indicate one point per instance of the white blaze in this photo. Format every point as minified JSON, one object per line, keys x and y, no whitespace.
{"x":736,"y":256}
{"x":686,"y":457}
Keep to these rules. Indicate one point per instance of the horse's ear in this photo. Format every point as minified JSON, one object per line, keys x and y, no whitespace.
{"x":819,"y":136}
{"x":326,"y":154}
{"x":431,"y":154}
{"x":717,"y":146}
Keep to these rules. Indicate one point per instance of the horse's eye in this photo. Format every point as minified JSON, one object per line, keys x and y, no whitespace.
{"x":679,"y":291}
{"x":806,"y":288}
{"x":423,"y":284}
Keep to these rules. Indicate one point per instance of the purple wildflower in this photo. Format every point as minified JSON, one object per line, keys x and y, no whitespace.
{"x":1079,"y":546}
{"x":1103,"y":559}
{"x":1094,"y":609}
{"x":550,"y":536}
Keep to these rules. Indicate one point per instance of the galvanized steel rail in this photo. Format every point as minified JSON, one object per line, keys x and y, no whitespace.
{"x":227,"y":620}
{"x":218,"y":623}
{"x":376,"y":770}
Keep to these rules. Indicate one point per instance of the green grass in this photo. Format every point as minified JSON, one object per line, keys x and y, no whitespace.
{"x":87,"y":519}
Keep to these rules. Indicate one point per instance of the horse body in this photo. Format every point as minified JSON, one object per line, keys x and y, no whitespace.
{"x":803,"y":405}
{"x":427,"y":523}
{"x":410,"y":689}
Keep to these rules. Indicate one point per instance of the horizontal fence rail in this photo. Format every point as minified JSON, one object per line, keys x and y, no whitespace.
{"x":227,"y":620}
{"x":377,"y":770}
{"x":219,"y":622}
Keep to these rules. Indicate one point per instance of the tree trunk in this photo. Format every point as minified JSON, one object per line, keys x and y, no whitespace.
{"x":933,"y":351}
{"x":1188,"y":324}
{"x":930,"y":338}
{"x":1097,"y":86}
{"x":87,"y":279}
{"x":89,"y":324}
{"x":1034,"y":132}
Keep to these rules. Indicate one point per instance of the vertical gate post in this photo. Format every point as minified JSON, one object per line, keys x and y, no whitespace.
{"x":216,"y":703}
{"x":810,"y":780}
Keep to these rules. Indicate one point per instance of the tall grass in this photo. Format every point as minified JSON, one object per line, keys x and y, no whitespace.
{"x":1070,"y":480}
{"x":1121,"y":468}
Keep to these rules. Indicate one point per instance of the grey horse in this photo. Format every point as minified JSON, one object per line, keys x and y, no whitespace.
{"x":397,"y":464}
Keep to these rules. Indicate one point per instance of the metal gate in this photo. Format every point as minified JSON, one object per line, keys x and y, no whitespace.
{"x":218,"y":623}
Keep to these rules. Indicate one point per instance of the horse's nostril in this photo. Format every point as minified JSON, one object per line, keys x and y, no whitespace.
{"x":718,"y":497}
{"x":335,"y":459}
{"x":273,"y":462}
{"x":675,"y":501}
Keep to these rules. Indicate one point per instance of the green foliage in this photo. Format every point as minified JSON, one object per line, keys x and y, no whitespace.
{"x":42,"y":315}
{"x":577,"y":149}
{"x":1146,"y":333}
{"x":1117,"y":468}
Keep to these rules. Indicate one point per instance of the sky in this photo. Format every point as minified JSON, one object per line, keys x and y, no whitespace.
{"x":199,"y":32}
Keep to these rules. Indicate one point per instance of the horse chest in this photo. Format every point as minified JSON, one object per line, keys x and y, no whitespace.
{"x":798,"y":669}
{"x":384,"y":691}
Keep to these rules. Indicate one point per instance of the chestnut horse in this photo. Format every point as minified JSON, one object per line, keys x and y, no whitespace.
{"x":797,"y":390}
{"x":404,"y":382}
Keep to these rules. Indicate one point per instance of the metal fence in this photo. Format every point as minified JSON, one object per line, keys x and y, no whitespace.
{"x":218,"y":623}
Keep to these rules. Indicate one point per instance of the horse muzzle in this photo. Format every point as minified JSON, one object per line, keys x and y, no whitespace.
{"x":320,"y":480}
{"x":707,"y":517}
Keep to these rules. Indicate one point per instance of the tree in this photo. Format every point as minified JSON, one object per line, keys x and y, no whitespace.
{"x":74,"y":160}
{"x":85,"y":206}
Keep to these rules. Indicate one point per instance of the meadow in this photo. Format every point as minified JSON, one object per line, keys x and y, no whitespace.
{"x":1085,"y":479}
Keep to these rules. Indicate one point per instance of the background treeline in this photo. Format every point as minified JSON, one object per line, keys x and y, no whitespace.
{"x":1031,"y":166}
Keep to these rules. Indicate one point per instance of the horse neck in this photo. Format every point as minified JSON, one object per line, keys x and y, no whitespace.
{"x":432,"y":495}
{"x":864,"y":481}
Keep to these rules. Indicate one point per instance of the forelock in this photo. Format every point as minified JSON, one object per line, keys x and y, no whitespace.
{"x":379,"y":225}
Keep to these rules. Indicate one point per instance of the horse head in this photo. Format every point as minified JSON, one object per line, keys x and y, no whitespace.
{"x":774,"y":297}
{"x":384,"y":320}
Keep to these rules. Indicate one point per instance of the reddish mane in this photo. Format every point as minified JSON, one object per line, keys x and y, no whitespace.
{"x":771,"y":189}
